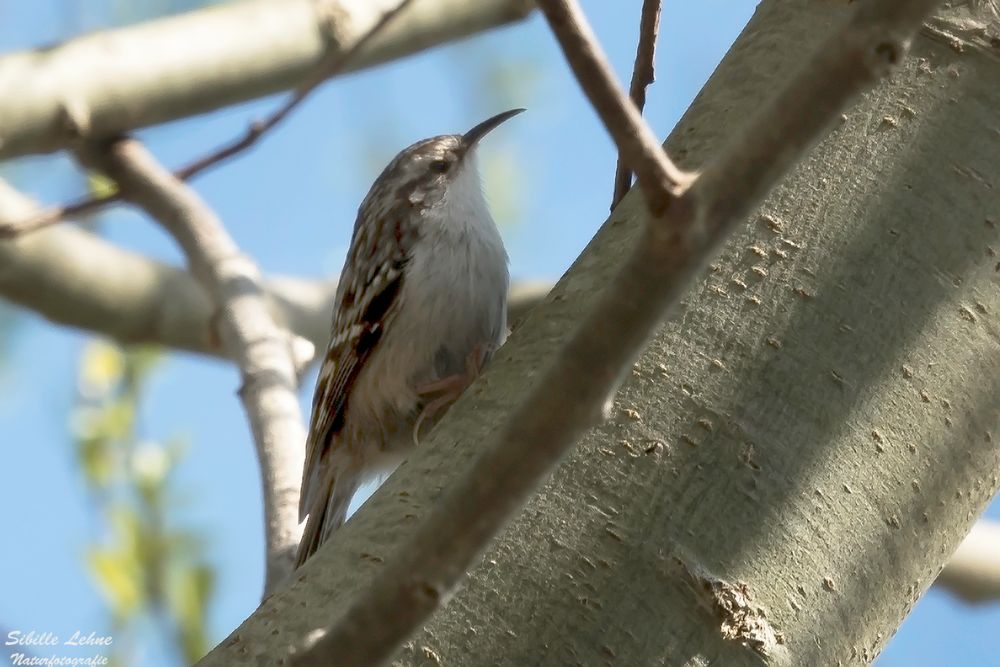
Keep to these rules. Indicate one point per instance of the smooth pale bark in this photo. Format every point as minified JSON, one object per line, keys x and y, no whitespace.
{"x":797,"y":453}
{"x":112,"y":82}
{"x":817,"y":425}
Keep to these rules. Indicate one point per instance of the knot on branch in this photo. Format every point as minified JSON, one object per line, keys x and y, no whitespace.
{"x":334,"y":22}
{"x":740,"y":620}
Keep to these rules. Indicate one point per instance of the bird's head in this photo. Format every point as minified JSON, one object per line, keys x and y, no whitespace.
{"x":438,"y":171}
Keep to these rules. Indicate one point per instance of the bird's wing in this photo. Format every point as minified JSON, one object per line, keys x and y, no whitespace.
{"x":367,"y":300}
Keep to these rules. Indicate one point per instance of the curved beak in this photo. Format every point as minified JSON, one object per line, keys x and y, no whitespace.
{"x":472,"y":137}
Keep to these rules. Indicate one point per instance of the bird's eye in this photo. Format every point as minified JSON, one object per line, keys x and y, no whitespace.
{"x":440,"y":166}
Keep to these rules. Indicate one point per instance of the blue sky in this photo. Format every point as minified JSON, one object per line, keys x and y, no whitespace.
{"x":290,"y":204}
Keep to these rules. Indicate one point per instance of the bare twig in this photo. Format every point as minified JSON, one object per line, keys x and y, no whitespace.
{"x":332,"y":65}
{"x":643,"y":74}
{"x":248,"y":334}
{"x":973,"y":573}
{"x":569,"y":396}
{"x":638,"y":147}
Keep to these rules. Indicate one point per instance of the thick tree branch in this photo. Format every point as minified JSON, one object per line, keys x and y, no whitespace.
{"x":973,"y":573}
{"x":643,"y":74}
{"x":249,"y":335}
{"x":640,"y":149}
{"x":77,"y":279}
{"x":570,"y":395}
{"x":112,"y":82}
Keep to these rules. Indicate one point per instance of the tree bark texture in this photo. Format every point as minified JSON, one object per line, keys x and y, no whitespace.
{"x":112,"y":82}
{"x":801,"y":448}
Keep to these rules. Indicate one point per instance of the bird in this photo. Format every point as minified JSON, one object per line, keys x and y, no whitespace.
{"x":420,"y":309}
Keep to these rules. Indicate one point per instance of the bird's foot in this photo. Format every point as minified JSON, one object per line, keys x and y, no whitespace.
{"x":449,"y":388}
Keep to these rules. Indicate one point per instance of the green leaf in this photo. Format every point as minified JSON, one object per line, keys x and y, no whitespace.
{"x":102,"y":366}
{"x":96,"y":460}
{"x":117,"y":579}
{"x":142,"y":359}
{"x":188,"y":594}
{"x":100,"y":186}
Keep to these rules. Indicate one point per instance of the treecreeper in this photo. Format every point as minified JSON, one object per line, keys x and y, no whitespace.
{"x":420,"y":308}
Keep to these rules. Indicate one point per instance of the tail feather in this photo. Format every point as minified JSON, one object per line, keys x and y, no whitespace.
{"x":327,"y":513}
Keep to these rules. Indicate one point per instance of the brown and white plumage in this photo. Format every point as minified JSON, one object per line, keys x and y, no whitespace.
{"x":422,"y":292}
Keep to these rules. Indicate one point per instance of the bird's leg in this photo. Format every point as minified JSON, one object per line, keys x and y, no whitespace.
{"x":450,"y":388}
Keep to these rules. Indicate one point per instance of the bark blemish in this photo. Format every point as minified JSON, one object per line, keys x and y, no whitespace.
{"x":655,"y":447}
{"x":430,"y":654}
{"x":740,"y":620}
{"x":879,"y":441}
{"x":748,"y":456}
{"x":772,"y":223}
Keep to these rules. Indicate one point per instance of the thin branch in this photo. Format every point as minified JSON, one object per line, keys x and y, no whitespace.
{"x":568,"y":398}
{"x":248,"y":333}
{"x":335,"y":63}
{"x":643,"y":74}
{"x":10,"y":229}
{"x":973,"y":573}
{"x":638,"y":147}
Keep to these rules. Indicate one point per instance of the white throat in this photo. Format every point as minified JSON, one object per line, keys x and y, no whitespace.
{"x":464,"y":204}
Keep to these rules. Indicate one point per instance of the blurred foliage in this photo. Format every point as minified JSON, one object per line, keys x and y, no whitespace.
{"x":100,"y":186}
{"x":151,"y":574}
